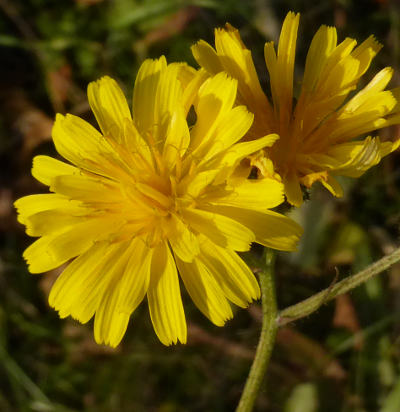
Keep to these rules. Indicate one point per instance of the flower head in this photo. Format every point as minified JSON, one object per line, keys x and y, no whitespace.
{"x":148,"y":198}
{"x":317,"y":131}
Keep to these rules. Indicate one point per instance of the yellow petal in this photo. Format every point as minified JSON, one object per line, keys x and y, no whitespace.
{"x":365,"y":52}
{"x":177,"y":139}
{"x":84,"y":146}
{"x":194,"y":184}
{"x":71,"y":242}
{"x":184,"y":242}
{"x":136,"y":278}
{"x":76,"y":290}
{"x":215,"y":98}
{"x":271,"y":62}
{"x":185,"y":73}
{"x":164,"y":298}
{"x":109,"y":106}
{"x":270,"y":228}
{"x":238,"y":63}
{"x":232,"y":127}
{"x":333,"y":186}
{"x":282,"y":81}
{"x":339,"y":54}
{"x":355,"y":158}
{"x":32,"y":204}
{"x":389,"y":147}
{"x":206,"y":57}
{"x":85,"y":296}
{"x":293,"y":190}
{"x":233,"y":275}
{"x":45,"y":168}
{"x":220,"y":229}
{"x":110,"y":323}
{"x":343,"y":74}
{"x":138,"y":148}
{"x":376,"y":85}
{"x":144,"y":92}
{"x":309,"y":179}
{"x":52,"y":221}
{"x":38,"y":258}
{"x":51,"y":251}
{"x":80,"y":187}
{"x":259,"y":194}
{"x":77,"y":141}
{"x":168,"y":99}
{"x":239,"y":151}
{"x":190,"y":92}
{"x":322,"y":45}
{"x":205,"y":291}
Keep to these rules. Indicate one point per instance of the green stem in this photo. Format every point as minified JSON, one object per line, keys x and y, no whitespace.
{"x":267,"y":338}
{"x":310,"y":305}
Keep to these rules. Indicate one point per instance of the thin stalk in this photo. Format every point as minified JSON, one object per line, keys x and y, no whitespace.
{"x":310,"y":305}
{"x":267,"y":337}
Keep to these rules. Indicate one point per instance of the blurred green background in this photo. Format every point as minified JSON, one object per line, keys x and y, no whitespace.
{"x":343,"y":358}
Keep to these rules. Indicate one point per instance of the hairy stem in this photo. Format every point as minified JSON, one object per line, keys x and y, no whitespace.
{"x":310,"y":305}
{"x":267,"y":337}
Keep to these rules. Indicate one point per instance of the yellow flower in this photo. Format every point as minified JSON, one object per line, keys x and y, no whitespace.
{"x":317,"y":131}
{"x":148,"y":198}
